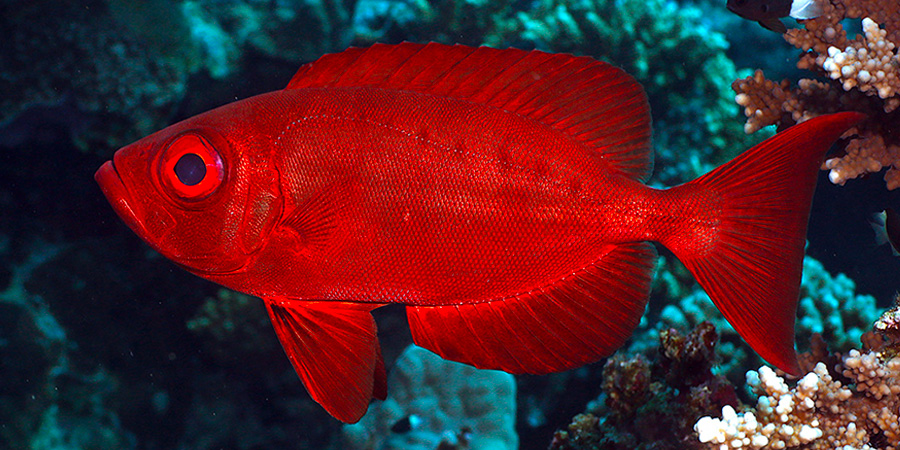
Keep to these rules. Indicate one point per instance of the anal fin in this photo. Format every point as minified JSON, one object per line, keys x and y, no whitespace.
{"x":569,"y":323}
{"x":334,"y":348}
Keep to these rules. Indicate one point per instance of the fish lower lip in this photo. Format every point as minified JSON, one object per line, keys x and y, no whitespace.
{"x":118,"y":196}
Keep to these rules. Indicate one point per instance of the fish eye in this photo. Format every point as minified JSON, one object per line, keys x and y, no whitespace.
{"x":764,"y":7}
{"x":191,"y":168}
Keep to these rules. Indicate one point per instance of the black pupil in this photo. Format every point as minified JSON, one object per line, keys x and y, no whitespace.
{"x":190,"y":169}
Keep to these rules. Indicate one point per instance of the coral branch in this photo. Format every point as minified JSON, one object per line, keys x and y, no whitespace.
{"x":863,"y":75}
{"x":856,"y":404}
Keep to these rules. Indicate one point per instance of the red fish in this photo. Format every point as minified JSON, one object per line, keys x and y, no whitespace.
{"x":498,"y":194}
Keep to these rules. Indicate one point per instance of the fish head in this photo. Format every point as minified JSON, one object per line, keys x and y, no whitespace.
{"x":760,"y":10}
{"x":200,"y":192}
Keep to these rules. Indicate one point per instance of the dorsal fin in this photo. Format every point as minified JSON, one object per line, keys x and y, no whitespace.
{"x":592,"y":102}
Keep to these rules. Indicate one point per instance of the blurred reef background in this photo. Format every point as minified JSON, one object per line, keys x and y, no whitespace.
{"x":104,"y":344}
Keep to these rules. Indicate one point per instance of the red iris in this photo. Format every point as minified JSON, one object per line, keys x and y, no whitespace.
{"x":191,"y":168}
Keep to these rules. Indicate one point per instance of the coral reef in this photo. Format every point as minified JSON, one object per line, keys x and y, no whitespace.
{"x":829,"y":306}
{"x":885,"y":337}
{"x":47,"y":399}
{"x":676,"y":57}
{"x":438,"y":404}
{"x":86,"y":59}
{"x":845,"y":401}
{"x":122,"y":75}
{"x":469,"y":22}
{"x":237,"y":324}
{"x":97,"y":357}
{"x":863,"y":75}
{"x":853,"y":404}
{"x":652,"y":404}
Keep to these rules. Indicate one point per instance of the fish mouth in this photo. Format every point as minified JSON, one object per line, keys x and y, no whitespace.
{"x":152,"y":225}
{"x":118,"y":196}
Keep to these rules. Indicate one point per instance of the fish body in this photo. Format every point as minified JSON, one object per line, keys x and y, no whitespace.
{"x":379,"y":205}
{"x":887,"y":229}
{"x":498,"y":194}
{"x":769,"y":12}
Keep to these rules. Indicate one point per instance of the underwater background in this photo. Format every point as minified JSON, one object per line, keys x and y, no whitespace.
{"x":105,"y":344}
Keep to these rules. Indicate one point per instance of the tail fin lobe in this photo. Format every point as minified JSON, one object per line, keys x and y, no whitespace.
{"x":752,"y":269}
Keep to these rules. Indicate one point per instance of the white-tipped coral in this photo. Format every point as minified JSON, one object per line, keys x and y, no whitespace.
{"x":870,"y":65}
{"x":866,"y":154}
{"x":819,"y":412}
{"x":865,"y":77}
{"x":784,"y":418}
{"x":879,"y":382}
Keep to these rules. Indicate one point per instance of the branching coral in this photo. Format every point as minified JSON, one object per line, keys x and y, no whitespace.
{"x":855,"y":405}
{"x":649,"y":404}
{"x":863,"y":73}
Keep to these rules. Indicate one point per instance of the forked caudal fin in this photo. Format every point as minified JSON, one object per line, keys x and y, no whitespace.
{"x":752,"y":265}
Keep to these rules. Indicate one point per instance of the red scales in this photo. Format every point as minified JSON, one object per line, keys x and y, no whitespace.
{"x":497,"y":193}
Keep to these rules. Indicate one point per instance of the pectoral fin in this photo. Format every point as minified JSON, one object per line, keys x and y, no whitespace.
{"x":333,"y":346}
{"x":321,"y":217}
